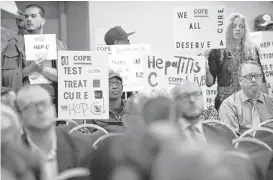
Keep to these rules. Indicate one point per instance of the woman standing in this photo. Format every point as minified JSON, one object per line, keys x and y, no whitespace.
{"x":223,"y":63}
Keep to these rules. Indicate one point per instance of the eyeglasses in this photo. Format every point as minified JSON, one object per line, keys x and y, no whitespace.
{"x":186,"y":96}
{"x":249,"y":77}
{"x":116,"y":83}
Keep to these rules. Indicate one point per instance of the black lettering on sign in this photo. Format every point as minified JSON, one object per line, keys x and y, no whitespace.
{"x":182,"y":15}
{"x":195,"y":25}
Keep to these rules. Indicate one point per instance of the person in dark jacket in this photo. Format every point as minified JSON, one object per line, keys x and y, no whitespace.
{"x":116,"y":105}
{"x":58,"y":150}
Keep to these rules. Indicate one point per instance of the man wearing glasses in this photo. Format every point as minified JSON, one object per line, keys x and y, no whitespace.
{"x":116,"y":105}
{"x":57,"y":149}
{"x":248,"y":107}
{"x":190,"y":105}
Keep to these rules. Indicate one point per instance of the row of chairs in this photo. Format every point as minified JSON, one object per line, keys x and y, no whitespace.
{"x":249,"y":136}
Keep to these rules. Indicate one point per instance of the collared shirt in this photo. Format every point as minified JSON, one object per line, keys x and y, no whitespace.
{"x":236,"y":110}
{"x":49,"y":160}
{"x":185,"y":125}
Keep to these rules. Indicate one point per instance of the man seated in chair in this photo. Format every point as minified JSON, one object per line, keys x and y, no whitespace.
{"x":58,"y":150}
{"x":248,"y":107}
{"x":190,"y":105}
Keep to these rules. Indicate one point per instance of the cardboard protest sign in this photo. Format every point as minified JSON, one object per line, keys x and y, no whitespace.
{"x":40,"y":46}
{"x":264,"y":40}
{"x":83,"y":88}
{"x":199,"y":28}
{"x":128,"y":61}
{"x":163,"y":72}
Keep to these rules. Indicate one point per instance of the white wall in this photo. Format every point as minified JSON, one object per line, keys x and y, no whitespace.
{"x":153,"y":21}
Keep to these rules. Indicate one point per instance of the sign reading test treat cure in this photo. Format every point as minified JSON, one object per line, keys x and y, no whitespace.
{"x":163,"y":72}
{"x":83,"y":91}
{"x":264,"y":40}
{"x":37,"y":47}
{"x":199,"y":28}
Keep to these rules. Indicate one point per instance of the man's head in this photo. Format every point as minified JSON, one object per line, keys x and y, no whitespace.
{"x":250,"y":77}
{"x":115,"y":85}
{"x":36,"y":108}
{"x":34,"y":18}
{"x":189,"y":99}
{"x":263,"y":22}
{"x":117,"y":35}
{"x":20,"y":20}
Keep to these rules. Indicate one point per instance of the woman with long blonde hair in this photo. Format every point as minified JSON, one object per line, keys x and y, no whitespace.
{"x":223,"y":63}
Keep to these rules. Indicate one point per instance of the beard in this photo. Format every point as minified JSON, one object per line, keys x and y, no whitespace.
{"x":192,"y":117}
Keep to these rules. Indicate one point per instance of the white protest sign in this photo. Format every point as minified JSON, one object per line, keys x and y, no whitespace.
{"x":199,"y":28}
{"x":163,"y":72}
{"x":40,"y":46}
{"x":264,"y":41}
{"x":128,"y":61}
{"x":83,"y":88}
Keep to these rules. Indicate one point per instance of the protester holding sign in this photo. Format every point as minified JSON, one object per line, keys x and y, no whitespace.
{"x":118,"y":36}
{"x":15,"y":68}
{"x":116,"y":105}
{"x":224,"y":63}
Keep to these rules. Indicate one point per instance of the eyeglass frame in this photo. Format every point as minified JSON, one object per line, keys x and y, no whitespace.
{"x":249,"y":77}
{"x":118,"y":83}
{"x":186,"y":96}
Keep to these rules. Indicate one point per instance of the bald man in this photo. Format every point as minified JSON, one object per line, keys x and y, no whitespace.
{"x":58,"y":150}
{"x":190,"y":103}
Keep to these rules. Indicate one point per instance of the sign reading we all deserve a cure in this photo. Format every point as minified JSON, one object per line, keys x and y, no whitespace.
{"x":83,"y":88}
{"x":264,"y":40}
{"x":163,"y":72}
{"x":37,"y":47}
{"x":199,"y":28}
{"x":128,"y":61}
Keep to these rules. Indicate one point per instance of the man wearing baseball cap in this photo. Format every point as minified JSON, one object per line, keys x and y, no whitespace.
{"x":117,"y":36}
{"x":116,"y":105}
{"x":263,"y":22}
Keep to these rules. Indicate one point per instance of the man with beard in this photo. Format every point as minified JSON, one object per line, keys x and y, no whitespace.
{"x":190,"y":105}
{"x":248,"y":107}
{"x":16,"y":70}
{"x":58,"y":150}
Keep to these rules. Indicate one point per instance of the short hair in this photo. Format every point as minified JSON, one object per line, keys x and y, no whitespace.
{"x":41,"y":10}
{"x":248,"y":62}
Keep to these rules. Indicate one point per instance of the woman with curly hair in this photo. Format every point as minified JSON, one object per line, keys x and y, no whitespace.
{"x":223,"y":63}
